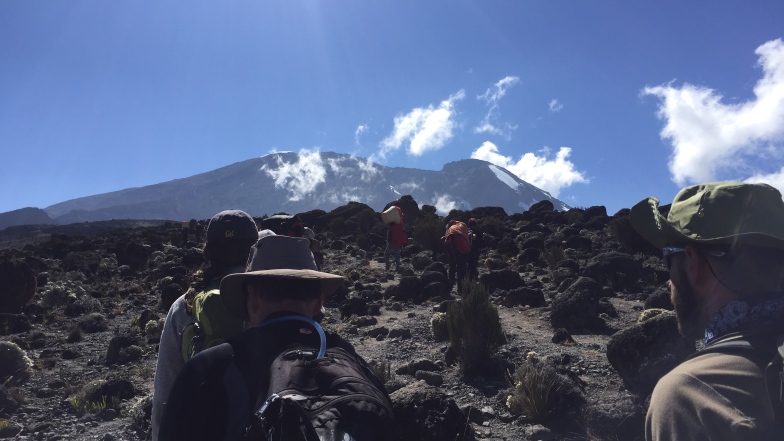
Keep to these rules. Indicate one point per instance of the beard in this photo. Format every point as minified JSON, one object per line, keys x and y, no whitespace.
{"x":687,"y":309}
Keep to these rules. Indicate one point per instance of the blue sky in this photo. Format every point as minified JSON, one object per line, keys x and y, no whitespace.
{"x":598,"y":102}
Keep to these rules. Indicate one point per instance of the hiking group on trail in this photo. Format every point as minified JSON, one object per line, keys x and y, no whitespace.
{"x":243,"y":356}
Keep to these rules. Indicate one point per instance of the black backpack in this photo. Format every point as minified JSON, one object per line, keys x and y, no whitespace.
{"x":321,"y":394}
{"x":771,"y":346}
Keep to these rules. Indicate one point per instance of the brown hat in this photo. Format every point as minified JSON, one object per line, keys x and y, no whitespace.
{"x":717,"y":213}
{"x":280,"y":257}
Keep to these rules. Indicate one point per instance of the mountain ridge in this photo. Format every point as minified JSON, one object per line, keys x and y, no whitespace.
{"x":292,"y":182}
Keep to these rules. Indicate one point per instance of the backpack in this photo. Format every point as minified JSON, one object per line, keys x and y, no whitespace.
{"x":392,"y":215}
{"x":458,"y":236}
{"x":399,"y":237}
{"x":322,"y":394}
{"x":211,"y":326}
{"x":284,"y":225}
{"x":772,"y":346}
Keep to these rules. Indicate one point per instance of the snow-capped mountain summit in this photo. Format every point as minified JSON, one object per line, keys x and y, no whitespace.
{"x":292,"y":182}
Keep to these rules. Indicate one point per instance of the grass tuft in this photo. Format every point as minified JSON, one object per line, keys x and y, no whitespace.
{"x":539,"y":391}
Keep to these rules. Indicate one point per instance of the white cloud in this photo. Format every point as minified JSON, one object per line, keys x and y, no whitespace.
{"x":773,"y":179}
{"x":444,"y":204}
{"x":423,"y":129}
{"x":492,"y":96}
{"x":301,"y":177}
{"x":555,"y":106}
{"x":362,"y":128}
{"x":710,"y":137}
{"x":551,"y":175}
{"x":336,"y":167}
{"x":408,"y":186}
{"x":367,"y":168}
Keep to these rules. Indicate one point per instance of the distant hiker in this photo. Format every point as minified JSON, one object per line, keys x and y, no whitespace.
{"x":196,"y":229}
{"x":185,"y":227}
{"x":230,"y":235}
{"x":285,"y":375}
{"x":315,"y":247}
{"x":459,"y":249}
{"x":284,"y":225}
{"x":396,"y":237}
{"x":723,"y":244}
{"x":477,"y":239}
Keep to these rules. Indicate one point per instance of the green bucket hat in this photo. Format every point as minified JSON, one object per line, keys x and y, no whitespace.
{"x":717,"y":213}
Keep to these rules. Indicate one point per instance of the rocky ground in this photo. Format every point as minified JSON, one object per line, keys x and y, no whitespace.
{"x":85,"y":305}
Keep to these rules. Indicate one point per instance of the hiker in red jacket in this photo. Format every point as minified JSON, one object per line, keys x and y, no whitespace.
{"x":396,"y":239}
{"x":459,"y":249}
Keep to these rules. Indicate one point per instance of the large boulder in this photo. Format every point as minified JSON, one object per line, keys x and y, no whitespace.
{"x":524,"y":296}
{"x":577,"y":308}
{"x":643,"y":353}
{"x":17,"y":285}
{"x":505,"y":279}
{"x":659,"y":299}
{"x":13,"y":323}
{"x":618,"y":270}
{"x":409,"y":288}
{"x":426,"y":413}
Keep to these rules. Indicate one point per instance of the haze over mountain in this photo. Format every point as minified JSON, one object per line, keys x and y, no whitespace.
{"x":291,"y":182}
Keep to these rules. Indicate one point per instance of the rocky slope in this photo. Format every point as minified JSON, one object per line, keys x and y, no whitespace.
{"x":86,"y":310}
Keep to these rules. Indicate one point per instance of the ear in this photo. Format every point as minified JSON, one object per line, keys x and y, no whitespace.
{"x":697,"y":267}
{"x":316,"y":306}
{"x":253,"y":302}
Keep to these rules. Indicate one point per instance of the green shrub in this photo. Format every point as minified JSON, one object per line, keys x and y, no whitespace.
{"x":383,"y":370}
{"x":553,"y":255}
{"x":15,"y":366}
{"x":82,"y":406}
{"x":438,"y":327}
{"x":650,"y":313}
{"x":428,"y":232}
{"x":365,"y":220}
{"x":539,"y":391}
{"x":337,"y":225}
{"x":492,"y":226}
{"x":475,"y":330}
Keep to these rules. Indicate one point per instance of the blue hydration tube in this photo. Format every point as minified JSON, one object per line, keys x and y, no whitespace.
{"x":308,"y":320}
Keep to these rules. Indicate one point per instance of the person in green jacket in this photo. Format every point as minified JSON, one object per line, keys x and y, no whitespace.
{"x":723,"y":244}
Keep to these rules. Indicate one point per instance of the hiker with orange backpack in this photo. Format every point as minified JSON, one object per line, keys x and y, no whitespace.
{"x":459,"y":244}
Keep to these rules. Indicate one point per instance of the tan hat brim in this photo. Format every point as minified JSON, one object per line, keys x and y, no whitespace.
{"x":233,"y":295}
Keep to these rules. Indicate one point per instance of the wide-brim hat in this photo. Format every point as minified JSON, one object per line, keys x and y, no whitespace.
{"x":279,"y":257}
{"x":716,"y":213}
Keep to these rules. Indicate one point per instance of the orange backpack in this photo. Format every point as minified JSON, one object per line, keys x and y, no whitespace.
{"x":458,"y":235}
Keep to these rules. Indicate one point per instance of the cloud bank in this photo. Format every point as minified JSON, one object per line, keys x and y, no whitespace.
{"x":444,"y":204}
{"x":301,"y":177}
{"x":551,"y":175}
{"x":423,"y":129}
{"x":712,"y":139}
{"x":492,"y":96}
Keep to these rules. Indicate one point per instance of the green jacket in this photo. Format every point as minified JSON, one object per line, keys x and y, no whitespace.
{"x":711,"y":397}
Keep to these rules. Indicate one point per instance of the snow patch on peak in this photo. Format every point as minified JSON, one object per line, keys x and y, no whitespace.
{"x":393,"y":189}
{"x":505,"y":178}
